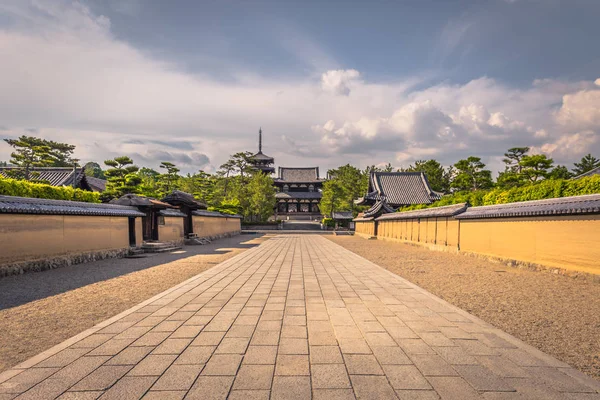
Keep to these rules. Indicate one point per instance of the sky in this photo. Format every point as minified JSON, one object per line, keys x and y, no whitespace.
{"x":330,"y":83}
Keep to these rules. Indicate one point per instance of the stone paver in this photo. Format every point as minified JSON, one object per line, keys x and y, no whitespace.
{"x":294,"y":318}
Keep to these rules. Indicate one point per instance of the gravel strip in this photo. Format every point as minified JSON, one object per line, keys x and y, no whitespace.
{"x":39,"y":310}
{"x":557,"y":314}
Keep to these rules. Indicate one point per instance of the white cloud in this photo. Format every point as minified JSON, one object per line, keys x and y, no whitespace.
{"x":339,"y":81}
{"x":64,"y":74}
{"x":580,"y":110}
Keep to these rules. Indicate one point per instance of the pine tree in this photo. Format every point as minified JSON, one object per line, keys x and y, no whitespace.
{"x":122,"y":178}
{"x":471,"y":175}
{"x":535,"y":167}
{"x":587,"y":163}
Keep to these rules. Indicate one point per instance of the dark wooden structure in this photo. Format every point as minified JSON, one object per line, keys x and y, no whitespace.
{"x":187,"y":204}
{"x":298,"y":192}
{"x":152,"y":212}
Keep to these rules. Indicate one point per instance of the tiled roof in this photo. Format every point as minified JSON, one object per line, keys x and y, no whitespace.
{"x":298,"y":195}
{"x":381,"y":207}
{"x":342,"y":215}
{"x":445,"y":211}
{"x":309,"y":174}
{"x":262,"y":157}
{"x":205,"y":213}
{"x":96,"y":184}
{"x":24,"y":205}
{"x":56,"y":176}
{"x":177,"y":197}
{"x":588,"y":204}
{"x":595,"y":171}
{"x":169,"y":212}
{"x":399,"y":189}
{"x":363,"y":219}
{"x":139,"y":201}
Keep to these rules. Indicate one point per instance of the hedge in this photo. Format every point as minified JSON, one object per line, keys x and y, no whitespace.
{"x":14,"y":187}
{"x":547,"y":189}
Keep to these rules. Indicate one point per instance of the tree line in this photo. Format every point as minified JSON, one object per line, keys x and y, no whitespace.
{"x":238,"y":188}
{"x":348,"y":183}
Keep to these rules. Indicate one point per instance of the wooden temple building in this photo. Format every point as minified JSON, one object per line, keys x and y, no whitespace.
{"x":389,"y":191}
{"x":298,"y":193}
{"x":298,"y":189}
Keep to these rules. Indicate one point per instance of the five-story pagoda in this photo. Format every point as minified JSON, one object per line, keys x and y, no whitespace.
{"x":262,"y":161}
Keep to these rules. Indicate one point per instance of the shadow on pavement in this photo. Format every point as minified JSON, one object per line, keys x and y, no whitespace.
{"x":20,"y":289}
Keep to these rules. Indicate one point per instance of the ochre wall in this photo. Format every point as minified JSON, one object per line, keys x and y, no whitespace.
{"x":30,"y":237}
{"x":569,"y":242}
{"x":365,"y":227}
{"x":435,"y":231}
{"x":205,"y":226}
{"x":172,"y":230}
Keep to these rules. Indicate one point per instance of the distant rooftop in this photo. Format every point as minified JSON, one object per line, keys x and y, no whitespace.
{"x":399,"y":189}
{"x":56,"y":176}
{"x":299,"y":175}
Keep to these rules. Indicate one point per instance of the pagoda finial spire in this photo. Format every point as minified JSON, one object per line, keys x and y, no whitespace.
{"x":260,"y":140}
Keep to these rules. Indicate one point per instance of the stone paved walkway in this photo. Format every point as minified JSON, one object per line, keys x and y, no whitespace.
{"x":297,"y":316}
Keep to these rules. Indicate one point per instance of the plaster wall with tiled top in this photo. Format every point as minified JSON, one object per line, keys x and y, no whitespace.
{"x":511,"y":232}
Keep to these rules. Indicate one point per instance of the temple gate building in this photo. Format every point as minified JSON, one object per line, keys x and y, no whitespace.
{"x":298,"y":193}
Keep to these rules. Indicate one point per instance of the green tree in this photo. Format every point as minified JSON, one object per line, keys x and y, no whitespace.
{"x":30,"y":152}
{"x":93,"y":169}
{"x":560,"y":172}
{"x":149,"y":182}
{"x":122,"y":178}
{"x":334,"y":197}
{"x":509,"y":179}
{"x":587,"y":163}
{"x":3,"y":164}
{"x":471,"y":175}
{"x":205,"y":187}
{"x":512,"y":158}
{"x":262,"y":197}
{"x":353,"y":183}
{"x":438,"y":177}
{"x":535,"y":167}
{"x":169,"y":181}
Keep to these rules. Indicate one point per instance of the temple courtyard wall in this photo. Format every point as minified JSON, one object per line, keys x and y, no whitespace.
{"x":568,"y":243}
{"x":44,"y":241}
{"x":38,"y":234}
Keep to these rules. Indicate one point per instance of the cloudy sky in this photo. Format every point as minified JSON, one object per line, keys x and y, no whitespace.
{"x":330,"y":82}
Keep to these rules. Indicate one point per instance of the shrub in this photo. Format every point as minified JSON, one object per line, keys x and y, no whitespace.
{"x":546,"y":189}
{"x":328,"y":222}
{"x":13,"y":187}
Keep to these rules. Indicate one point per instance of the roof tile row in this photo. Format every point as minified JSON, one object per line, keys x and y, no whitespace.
{"x":574,"y":205}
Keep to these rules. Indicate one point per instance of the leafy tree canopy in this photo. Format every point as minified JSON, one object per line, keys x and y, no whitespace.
{"x":93,"y":169}
{"x":471,"y":175}
{"x":122,"y":178}
{"x":30,"y":152}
